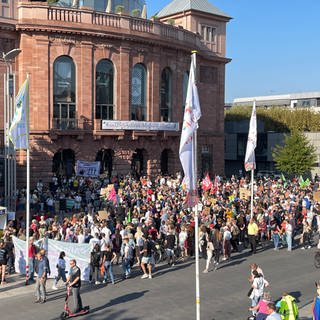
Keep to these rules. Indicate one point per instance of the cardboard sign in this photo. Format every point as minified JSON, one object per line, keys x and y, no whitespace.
{"x":244,"y":194}
{"x":103,"y":215}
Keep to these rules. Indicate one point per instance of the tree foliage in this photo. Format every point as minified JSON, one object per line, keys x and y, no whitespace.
{"x":297,"y":155}
{"x":279,"y":119}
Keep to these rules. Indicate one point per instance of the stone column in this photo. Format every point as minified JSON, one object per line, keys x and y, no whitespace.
{"x":85,"y":87}
{"x":154,"y":87}
{"x":123,"y":84}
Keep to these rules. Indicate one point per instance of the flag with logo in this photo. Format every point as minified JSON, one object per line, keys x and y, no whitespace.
{"x":19,"y":131}
{"x":250,"y":161}
{"x":192,"y":114}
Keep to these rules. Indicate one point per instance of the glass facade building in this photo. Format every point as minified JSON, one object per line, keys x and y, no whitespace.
{"x":100,"y":5}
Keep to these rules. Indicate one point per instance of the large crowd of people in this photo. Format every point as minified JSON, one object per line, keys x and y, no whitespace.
{"x":145,"y":217}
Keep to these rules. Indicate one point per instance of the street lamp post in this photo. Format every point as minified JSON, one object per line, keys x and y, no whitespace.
{"x":9,"y":151}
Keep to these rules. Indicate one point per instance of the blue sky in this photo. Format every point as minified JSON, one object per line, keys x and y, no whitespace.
{"x":274,"y":45}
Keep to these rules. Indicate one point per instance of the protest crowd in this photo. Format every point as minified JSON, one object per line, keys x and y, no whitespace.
{"x":139,"y":222}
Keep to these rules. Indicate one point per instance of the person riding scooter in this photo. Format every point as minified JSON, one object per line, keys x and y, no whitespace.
{"x":74,"y":281}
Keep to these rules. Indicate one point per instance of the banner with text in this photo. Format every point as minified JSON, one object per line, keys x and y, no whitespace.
{"x":139,"y":125}
{"x":87,"y":168}
{"x":79,"y":252}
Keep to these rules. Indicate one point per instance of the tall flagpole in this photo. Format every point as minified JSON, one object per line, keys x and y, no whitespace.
{"x":188,"y":158}
{"x":195,"y":193}
{"x":28,"y":191}
{"x":252,"y":180}
{"x":250,"y":161}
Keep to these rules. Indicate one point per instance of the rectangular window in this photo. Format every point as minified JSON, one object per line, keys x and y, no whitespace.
{"x":4,"y":1}
{"x":208,"y":33}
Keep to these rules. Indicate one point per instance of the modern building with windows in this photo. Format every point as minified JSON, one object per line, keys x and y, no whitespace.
{"x":109,"y":85}
{"x":292,"y":100}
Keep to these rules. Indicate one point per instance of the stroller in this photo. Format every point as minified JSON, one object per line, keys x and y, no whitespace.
{"x":67,"y":313}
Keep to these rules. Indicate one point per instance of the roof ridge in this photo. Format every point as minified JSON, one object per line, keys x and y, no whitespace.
{"x":177,"y":6}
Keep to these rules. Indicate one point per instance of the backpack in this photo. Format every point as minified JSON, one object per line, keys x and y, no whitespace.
{"x":285,"y":310}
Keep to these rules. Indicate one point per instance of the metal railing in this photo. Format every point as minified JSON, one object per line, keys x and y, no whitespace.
{"x":104,"y":111}
{"x":71,"y":124}
{"x":104,"y":21}
{"x":64,"y":124}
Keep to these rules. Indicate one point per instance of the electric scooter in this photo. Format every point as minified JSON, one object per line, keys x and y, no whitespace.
{"x":67,"y":313}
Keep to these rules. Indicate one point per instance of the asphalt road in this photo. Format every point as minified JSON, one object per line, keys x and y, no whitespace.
{"x":171,"y":292}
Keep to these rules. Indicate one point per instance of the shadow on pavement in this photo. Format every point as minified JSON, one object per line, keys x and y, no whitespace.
{"x":163,"y":269}
{"x":96,"y":314}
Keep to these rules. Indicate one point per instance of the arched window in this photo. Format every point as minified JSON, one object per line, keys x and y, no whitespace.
{"x":64,"y":93}
{"x":166,"y":95}
{"x":185,"y":81}
{"x":138,"y":93}
{"x":104,"y":90}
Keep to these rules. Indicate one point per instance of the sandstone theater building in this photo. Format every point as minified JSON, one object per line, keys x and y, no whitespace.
{"x":110,"y":86}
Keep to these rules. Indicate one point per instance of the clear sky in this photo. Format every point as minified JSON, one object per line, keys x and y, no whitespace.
{"x":274,"y":45}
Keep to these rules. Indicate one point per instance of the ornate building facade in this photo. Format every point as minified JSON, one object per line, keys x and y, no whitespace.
{"x":111,"y":87}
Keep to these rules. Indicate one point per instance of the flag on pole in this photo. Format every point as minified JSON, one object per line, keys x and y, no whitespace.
{"x":113,"y":196}
{"x":250,"y":161}
{"x":19,"y":131}
{"x":206,"y":183}
{"x":215,"y":187}
{"x":192,"y":114}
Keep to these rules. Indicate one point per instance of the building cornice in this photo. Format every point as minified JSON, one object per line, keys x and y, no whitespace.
{"x":87,"y":23}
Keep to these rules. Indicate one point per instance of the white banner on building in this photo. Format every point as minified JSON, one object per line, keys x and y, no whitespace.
{"x":87,"y":168}
{"x":79,"y":252}
{"x":139,"y":125}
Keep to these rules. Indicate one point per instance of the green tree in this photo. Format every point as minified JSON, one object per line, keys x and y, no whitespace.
{"x":297,"y":155}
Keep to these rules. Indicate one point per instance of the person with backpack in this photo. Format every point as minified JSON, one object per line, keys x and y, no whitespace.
{"x":147,"y":258}
{"x":95,"y":263}
{"x":170,"y":244}
{"x":288,"y":307}
{"x":257,"y":286}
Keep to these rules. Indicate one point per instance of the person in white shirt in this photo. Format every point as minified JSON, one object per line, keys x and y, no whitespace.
{"x":95,"y":229}
{"x":183,"y":235}
{"x":257,"y":290}
{"x":106,"y":231}
{"x":81,"y":237}
{"x":94,"y":241}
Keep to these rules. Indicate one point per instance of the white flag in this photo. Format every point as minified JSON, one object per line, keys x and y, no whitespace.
{"x":192,"y":114}
{"x":250,"y":161}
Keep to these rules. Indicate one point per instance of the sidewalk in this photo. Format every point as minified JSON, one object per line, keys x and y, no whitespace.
{"x":305,"y":312}
{"x":15,"y":286}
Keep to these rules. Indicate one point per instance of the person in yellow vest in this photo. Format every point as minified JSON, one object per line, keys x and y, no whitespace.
{"x":288,"y":308}
{"x":253,"y":230}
